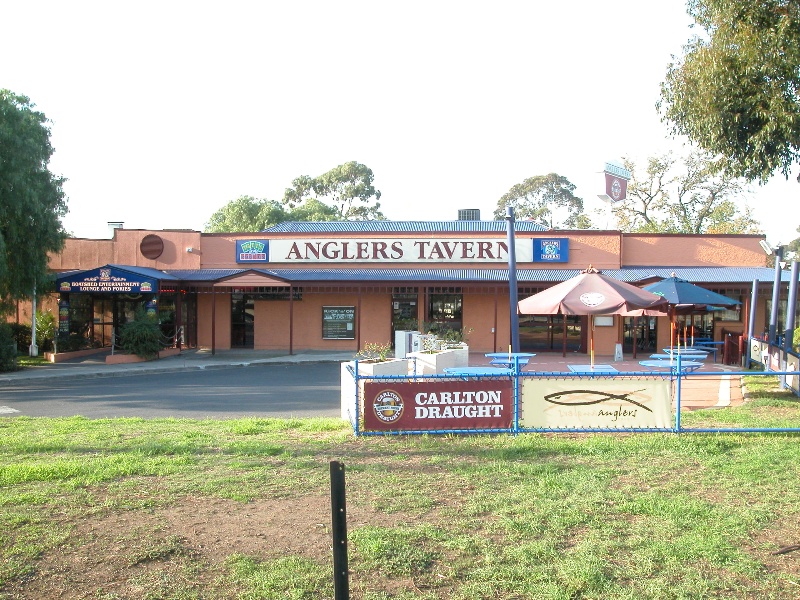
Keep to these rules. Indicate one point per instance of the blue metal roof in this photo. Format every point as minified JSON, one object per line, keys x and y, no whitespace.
{"x":146,"y":271}
{"x":204,"y":274}
{"x":705,"y":275}
{"x":141,"y":271}
{"x":401,"y":227}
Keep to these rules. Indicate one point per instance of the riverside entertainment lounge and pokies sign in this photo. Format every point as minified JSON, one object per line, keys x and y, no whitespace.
{"x":438,"y":405}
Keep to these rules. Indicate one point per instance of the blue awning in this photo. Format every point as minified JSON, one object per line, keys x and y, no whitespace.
{"x":113,"y":279}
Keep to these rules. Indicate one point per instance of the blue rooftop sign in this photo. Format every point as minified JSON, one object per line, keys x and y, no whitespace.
{"x":551,"y":250}
{"x":252,"y":251}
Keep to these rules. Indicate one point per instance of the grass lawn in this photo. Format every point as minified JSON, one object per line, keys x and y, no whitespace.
{"x":241,"y":509}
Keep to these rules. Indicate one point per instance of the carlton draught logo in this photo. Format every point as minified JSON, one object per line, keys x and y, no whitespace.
{"x":388,"y":406}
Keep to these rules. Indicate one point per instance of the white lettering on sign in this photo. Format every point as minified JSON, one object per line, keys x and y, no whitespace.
{"x":397,"y":250}
{"x":458,"y":405}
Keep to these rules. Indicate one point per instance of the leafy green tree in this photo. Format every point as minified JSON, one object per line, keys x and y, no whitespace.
{"x":348,"y":188}
{"x":32,"y":200}
{"x":246,"y":214}
{"x":252,"y":214}
{"x":689,"y":196}
{"x":545,"y":199}
{"x":794,"y":247}
{"x":735,"y":93}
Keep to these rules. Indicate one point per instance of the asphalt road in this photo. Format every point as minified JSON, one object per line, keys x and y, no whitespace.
{"x":263,"y":390}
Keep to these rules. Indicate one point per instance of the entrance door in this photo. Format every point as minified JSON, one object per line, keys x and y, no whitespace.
{"x":545,"y":333}
{"x":242,"y":321}
{"x":641,"y":331}
{"x":404,"y":313}
{"x":444,"y":312}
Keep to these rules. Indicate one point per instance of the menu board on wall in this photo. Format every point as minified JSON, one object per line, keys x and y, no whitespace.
{"x":338,"y":322}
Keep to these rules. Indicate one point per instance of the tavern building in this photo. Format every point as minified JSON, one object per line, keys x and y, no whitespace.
{"x":339,"y":285}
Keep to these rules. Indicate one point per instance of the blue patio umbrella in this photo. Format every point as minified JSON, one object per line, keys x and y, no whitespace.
{"x":683,"y":295}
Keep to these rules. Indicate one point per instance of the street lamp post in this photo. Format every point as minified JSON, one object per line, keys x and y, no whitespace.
{"x":512,"y":279}
{"x":776,"y":294}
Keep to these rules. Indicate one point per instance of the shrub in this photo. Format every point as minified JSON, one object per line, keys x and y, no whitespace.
{"x":8,"y":352}
{"x":21,"y":334}
{"x":45,"y":330}
{"x":142,"y":336}
{"x":374,"y":352}
{"x":70,"y":342}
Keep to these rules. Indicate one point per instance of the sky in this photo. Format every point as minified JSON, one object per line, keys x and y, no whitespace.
{"x":163,"y":112}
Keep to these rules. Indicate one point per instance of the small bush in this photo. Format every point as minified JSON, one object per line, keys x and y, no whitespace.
{"x":21,"y":334}
{"x":70,"y":342}
{"x":374,"y":352}
{"x":8,"y":352}
{"x":142,"y":336}
{"x":45,"y":330}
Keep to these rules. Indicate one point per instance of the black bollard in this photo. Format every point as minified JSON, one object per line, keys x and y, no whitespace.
{"x":341,"y":587}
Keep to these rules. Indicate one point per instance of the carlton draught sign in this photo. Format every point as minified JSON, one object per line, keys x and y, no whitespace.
{"x":439,"y":405}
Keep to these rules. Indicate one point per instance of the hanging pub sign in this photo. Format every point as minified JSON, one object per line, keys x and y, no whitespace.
{"x":338,"y":322}
{"x":617,"y":178}
{"x":108,"y":280}
{"x":551,"y":250}
{"x":438,"y":405}
{"x":252,"y":251}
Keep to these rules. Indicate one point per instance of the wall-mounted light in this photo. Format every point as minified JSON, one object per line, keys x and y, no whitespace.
{"x":190,"y":249}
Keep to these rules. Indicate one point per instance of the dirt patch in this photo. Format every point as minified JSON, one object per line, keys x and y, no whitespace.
{"x":148,"y":552}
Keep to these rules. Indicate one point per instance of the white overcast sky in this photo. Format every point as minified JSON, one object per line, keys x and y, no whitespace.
{"x":162,"y":112}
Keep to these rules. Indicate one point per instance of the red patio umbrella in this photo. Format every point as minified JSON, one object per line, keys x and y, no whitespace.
{"x":592,"y":293}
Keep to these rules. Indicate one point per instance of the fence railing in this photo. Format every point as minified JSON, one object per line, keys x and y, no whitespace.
{"x":541,"y":402}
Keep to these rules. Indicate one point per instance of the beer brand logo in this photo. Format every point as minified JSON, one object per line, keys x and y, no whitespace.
{"x":388,"y":406}
{"x":616,"y":189}
{"x":591,"y":299}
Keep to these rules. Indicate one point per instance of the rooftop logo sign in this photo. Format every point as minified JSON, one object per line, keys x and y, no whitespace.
{"x":252,"y":251}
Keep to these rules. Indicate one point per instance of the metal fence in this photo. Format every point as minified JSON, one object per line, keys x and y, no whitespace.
{"x":522,"y":402}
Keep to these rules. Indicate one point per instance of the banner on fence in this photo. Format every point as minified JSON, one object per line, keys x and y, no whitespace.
{"x":438,"y":405}
{"x":597,"y":403}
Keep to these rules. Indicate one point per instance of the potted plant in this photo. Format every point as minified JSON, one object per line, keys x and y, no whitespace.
{"x":442,"y":350}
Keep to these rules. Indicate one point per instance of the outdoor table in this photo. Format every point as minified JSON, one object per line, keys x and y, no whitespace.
{"x":687,"y":366}
{"x":474,"y":371}
{"x":683,"y":355}
{"x":589,"y":369}
{"x":709,"y":345}
{"x":509,"y":358}
{"x":683,"y":351}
